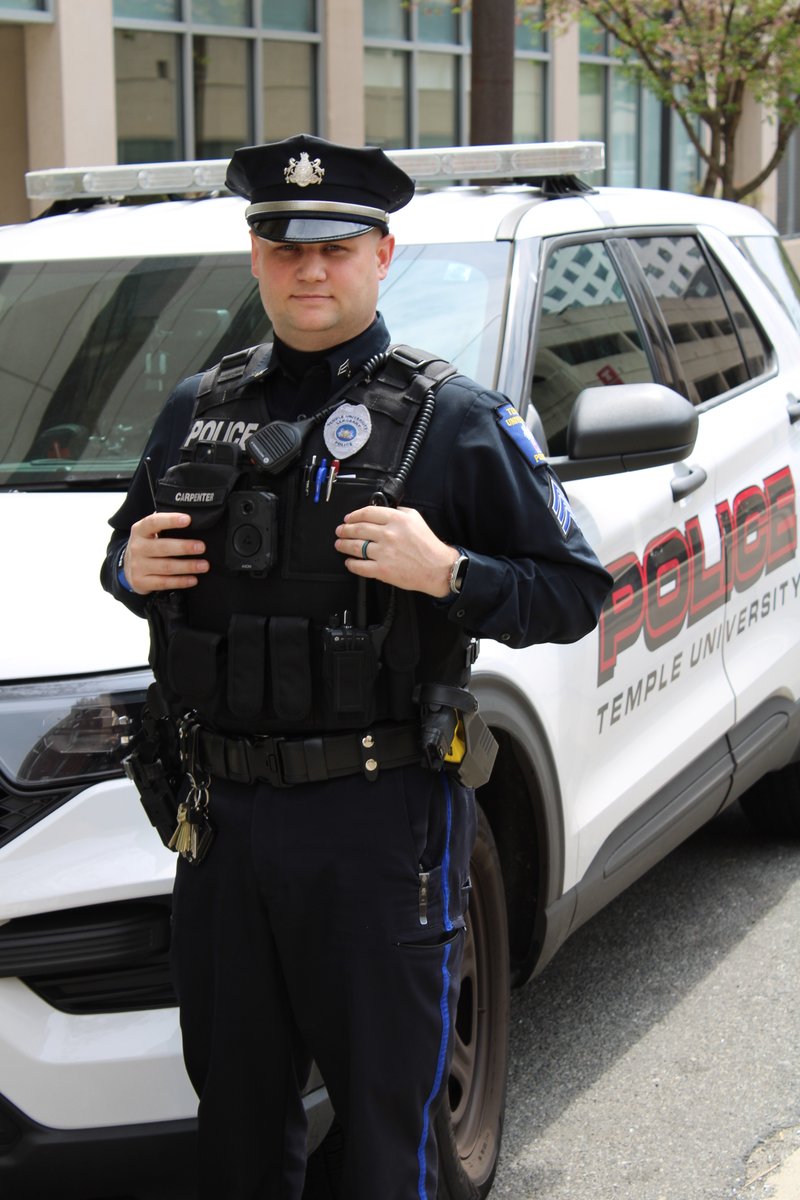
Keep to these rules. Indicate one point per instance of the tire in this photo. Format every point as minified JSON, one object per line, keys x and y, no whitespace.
{"x":469,"y":1124}
{"x":772,"y":805}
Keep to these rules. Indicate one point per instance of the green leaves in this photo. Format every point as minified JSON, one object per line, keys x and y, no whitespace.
{"x":702,"y":57}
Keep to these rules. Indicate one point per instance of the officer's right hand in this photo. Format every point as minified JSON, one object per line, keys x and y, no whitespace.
{"x":154,"y":564}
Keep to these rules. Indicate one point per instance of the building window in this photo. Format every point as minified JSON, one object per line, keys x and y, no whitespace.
{"x":530,"y":74}
{"x":288,"y":98}
{"x":23,"y":7}
{"x":529,"y":93}
{"x":220,"y":12}
{"x":385,"y":19}
{"x":386,"y":96}
{"x":437,"y":92}
{"x":646,"y":144}
{"x":204,"y":80}
{"x":222,"y":95}
{"x":417,"y":73}
{"x":437,"y":22}
{"x":148,"y":69}
{"x":299,"y":15}
{"x":148,"y":10}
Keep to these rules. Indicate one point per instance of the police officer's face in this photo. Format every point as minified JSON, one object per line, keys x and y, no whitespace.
{"x":321,"y":293}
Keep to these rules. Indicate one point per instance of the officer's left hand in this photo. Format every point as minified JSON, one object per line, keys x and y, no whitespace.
{"x":401,"y":549}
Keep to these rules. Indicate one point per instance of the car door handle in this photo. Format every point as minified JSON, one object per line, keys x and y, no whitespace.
{"x":793,"y":404}
{"x":684,"y":485}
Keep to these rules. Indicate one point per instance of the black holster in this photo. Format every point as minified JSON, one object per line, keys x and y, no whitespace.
{"x":154,"y":765}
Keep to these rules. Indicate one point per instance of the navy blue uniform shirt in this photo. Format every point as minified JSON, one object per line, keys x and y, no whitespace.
{"x":477,"y":481}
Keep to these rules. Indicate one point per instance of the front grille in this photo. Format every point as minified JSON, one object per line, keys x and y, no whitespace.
{"x":98,"y":959}
{"x":19,"y":810}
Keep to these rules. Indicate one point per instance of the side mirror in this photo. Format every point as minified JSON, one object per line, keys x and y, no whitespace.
{"x":626,"y":427}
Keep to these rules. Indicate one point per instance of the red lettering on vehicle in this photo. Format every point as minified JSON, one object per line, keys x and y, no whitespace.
{"x":674,"y":583}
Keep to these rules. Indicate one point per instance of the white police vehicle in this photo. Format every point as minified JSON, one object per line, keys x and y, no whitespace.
{"x":653,"y":343}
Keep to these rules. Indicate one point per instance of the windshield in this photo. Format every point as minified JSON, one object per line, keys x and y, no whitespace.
{"x":90,"y":350}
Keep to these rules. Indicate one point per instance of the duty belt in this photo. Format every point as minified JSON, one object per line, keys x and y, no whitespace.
{"x":284,"y":762}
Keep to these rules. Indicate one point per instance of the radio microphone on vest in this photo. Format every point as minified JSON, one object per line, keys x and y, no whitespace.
{"x":276,"y":446}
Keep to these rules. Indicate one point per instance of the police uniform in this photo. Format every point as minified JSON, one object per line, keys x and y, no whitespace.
{"x":327,"y":920}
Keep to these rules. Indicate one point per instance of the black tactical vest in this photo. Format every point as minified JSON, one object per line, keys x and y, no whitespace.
{"x":279,"y":637}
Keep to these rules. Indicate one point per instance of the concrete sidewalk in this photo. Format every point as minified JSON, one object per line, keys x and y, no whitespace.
{"x":773,"y":1169}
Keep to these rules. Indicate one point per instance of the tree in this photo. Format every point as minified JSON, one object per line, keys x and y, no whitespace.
{"x":491,"y":114}
{"x":701,"y":58}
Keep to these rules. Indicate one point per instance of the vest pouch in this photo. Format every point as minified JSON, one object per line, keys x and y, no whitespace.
{"x":350,"y":671}
{"x":246,"y":664}
{"x":195,"y":666}
{"x":200,"y":489}
{"x":166,"y":612}
{"x":309,"y":550}
{"x":290,"y":667}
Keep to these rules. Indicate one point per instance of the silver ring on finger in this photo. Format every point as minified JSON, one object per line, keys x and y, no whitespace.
{"x":364,"y":547}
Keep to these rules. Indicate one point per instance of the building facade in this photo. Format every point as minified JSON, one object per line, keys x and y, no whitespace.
{"x":85,"y":82}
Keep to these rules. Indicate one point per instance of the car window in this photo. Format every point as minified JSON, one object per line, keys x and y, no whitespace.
{"x":774,"y":266}
{"x":715,"y":338}
{"x":449,"y":299}
{"x":587,"y":336}
{"x":90,"y":350}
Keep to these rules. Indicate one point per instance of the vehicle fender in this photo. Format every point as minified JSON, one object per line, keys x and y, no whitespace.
{"x":524,"y":807}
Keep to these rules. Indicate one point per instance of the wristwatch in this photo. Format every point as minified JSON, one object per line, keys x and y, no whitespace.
{"x":457,"y":573}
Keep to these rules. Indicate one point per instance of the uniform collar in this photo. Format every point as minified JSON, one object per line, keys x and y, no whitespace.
{"x":343,"y":361}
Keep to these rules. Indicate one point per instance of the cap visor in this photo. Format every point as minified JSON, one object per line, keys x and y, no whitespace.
{"x":309,"y":229}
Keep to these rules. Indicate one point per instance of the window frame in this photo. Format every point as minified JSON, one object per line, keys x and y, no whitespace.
{"x":254,"y":34}
{"x":657,"y":343}
{"x":412,"y":45}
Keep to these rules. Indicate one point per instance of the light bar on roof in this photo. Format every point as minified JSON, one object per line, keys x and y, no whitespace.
{"x":139,"y":179}
{"x":523,"y":160}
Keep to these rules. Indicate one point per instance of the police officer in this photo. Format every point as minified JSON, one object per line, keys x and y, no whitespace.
{"x":335,"y":525}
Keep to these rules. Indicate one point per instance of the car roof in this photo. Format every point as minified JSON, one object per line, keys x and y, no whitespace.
{"x":437,"y":215}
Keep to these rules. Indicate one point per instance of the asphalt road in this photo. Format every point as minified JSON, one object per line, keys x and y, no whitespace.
{"x":657,"y":1057}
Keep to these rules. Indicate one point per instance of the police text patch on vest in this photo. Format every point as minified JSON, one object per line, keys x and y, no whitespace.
{"x":514,"y":426}
{"x":559,"y":507}
{"x":347,"y":429}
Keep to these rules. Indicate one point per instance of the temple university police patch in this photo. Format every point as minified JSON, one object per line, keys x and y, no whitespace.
{"x":514,"y":426}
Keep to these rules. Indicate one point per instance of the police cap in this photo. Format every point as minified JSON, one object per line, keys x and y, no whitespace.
{"x":305,"y":189}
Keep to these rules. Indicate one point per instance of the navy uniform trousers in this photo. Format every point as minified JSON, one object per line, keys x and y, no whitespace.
{"x":302,"y":936}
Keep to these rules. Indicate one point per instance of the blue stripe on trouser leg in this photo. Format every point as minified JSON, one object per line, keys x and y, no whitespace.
{"x":444,"y":1002}
{"x":437,"y":1083}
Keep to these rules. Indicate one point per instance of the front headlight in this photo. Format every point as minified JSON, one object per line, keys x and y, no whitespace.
{"x":67,"y":732}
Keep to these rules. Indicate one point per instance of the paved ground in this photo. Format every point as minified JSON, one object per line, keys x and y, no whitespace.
{"x":657,"y":1057}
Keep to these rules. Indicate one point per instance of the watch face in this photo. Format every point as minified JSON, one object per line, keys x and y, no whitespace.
{"x":458,"y":572}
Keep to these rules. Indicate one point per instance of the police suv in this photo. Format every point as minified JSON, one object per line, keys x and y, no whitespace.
{"x":652,"y":343}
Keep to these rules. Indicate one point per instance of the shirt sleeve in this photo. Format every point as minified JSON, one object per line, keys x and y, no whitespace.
{"x":161,"y":451}
{"x":532,"y":575}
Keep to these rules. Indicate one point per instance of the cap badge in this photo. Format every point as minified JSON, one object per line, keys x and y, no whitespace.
{"x":304,"y":172}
